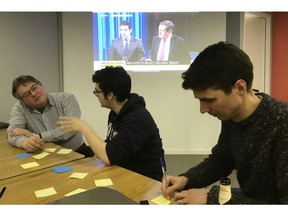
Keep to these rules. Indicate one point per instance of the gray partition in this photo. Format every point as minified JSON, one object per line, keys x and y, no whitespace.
{"x":29,"y":45}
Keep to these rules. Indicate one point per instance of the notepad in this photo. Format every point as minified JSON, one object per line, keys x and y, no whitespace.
{"x":45,"y":192}
{"x":64,"y":151}
{"x":161,"y":200}
{"x":78,"y":175}
{"x":29,"y":165}
{"x":23,"y":155}
{"x":103,"y":182}
{"x":62,"y":169}
{"x":41,"y":155}
{"x":50,"y":150}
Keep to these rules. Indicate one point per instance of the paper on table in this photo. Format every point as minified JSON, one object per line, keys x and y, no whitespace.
{"x":161,"y":200}
{"x":79,"y":190}
{"x":103,"y":182}
{"x":62,"y":169}
{"x":64,"y":151}
{"x":23,"y":155}
{"x":41,"y":155}
{"x":78,"y":175}
{"x":29,"y":165}
{"x":45,"y":192}
{"x":50,"y":150}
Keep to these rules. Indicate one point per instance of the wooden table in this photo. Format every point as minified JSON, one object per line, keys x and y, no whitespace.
{"x":10,"y":165}
{"x":3,"y":134}
{"x":20,"y":189}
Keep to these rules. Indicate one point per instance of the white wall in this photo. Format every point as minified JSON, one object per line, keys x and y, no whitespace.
{"x":257,"y":44}
{"x":29,"y":45}
{"x":183,"y":129}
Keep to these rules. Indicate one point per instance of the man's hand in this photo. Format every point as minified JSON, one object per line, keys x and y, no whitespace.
{"x":20,"y":131}
{"x":33,"y":144}
{"x":173,"y":190}
{"x":73,"y":124}
{"x":192,"y":196}
{"x":173,"y":184}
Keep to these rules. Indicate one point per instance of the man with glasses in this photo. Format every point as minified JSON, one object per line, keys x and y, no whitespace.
{"x":133,"y":139}
{"x":34,"y":118}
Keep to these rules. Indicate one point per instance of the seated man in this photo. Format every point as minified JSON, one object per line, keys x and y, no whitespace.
{"x":133,"y":139}
{"x":34,"y":118}
{"x":253,"y":138}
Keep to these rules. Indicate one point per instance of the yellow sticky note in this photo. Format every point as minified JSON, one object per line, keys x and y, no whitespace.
{"x":78,"y":175}
{"x":50,"y":150}
{"x":79,"y":190}
{"x":41,"y":155}
{"x":29,"y":165}
{"x":45,"y":192}
{"x":103,"y":182}
{"x":64,"y":151}
{"x":161,"y":200}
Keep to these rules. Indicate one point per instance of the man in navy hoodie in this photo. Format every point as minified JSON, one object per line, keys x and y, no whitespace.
{"x":133,"y":139}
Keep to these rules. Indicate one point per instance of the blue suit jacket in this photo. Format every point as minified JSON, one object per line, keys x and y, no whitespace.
{"x":178,"y":50}
{"x":135,"y":51}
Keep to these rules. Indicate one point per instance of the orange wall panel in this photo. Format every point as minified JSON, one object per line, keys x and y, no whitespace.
{"x":279,"y":74}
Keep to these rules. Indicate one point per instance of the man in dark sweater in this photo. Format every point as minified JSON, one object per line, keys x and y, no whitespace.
{"x":253,"y":139}
{"x":133,"y":139}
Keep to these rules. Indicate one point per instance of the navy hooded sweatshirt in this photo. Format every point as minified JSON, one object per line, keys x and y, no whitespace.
{"x":133,"y":140}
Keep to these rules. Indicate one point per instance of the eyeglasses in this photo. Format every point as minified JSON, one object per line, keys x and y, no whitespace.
{"x":96,"y":93}
{"x":32,"y":89}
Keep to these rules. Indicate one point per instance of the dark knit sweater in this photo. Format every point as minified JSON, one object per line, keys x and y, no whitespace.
{"x":257,"y":148}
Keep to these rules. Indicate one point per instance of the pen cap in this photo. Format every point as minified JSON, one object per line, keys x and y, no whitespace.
{"x":225,"y":181}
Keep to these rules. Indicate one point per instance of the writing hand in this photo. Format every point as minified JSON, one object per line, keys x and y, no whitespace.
{"x":174,"y":183}
{"x":33,"y":144}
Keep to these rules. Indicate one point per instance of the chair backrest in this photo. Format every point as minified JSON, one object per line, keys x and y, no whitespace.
{"x":3,"y":125}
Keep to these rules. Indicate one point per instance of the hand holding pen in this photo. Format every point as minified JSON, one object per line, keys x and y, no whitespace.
{"x":175,"y":184}
{"x":164,"y":173}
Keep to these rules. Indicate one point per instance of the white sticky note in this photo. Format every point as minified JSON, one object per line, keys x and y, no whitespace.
{"x":103,"y":182}
{"x":50,"y":150}
{"x":79,"y":190}
{"x":78,"y":175}
{"x":64,"y":151}
{"x":45,"y":192}
{"x":161,"y":200}
{"x":29,"y":165}
{"x":41,"y":155}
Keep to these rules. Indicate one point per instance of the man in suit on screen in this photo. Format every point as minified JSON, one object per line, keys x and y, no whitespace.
{"x":126,"y":47}
{"x":169,"y":47}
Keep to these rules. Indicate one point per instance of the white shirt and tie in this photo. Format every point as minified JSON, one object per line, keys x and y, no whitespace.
{"x":163,"y":51}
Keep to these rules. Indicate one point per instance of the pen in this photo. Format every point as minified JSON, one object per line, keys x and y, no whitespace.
{"x":164,"y":172}
{"x":2,"y":191}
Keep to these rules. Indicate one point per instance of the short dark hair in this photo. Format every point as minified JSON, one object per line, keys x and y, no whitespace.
{"x":125,"y":23}
{"x":20,"y":81}
{"x":113,"y":79}
{"x":219,"y":66}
